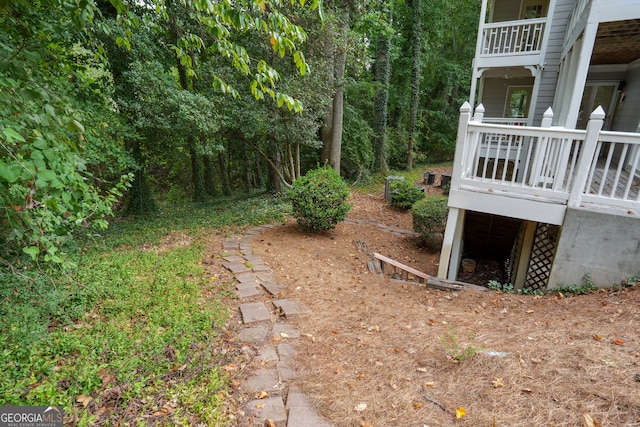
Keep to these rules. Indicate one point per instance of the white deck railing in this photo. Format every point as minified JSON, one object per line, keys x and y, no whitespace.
{"x":513,"y":37}
{"x":550,"y":164}
{"x":506,"y":121}
{"x":614,"y":171}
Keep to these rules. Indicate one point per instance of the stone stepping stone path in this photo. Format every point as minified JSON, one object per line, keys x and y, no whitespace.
{"x":265,"y":312}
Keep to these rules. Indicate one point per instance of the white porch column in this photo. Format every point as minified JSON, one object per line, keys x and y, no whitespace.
{"x":455,"y":220}
{"x":451,"y":246}
{"x":587,"y":153}
{"x":536,"y":73}
{"x":475,"y":74}
{"x":578,"y":80}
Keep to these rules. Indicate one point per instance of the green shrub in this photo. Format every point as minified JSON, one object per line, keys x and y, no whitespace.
{"x":404,"y":194}
{"x":430,"y":220}
{"x":319,"y":199}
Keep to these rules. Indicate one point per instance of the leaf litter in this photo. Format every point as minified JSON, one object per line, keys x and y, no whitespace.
{"x":550,"y":369}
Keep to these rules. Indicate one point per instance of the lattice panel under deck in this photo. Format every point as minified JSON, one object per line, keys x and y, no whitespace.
{"x":542,"y":253}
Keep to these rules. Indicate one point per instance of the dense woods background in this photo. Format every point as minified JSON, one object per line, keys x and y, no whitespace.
{"x":117,"y":105}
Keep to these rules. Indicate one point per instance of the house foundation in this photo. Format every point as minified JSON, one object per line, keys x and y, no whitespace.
{"x":606,"y":246}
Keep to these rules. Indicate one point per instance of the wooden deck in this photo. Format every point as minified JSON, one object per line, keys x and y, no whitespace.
{"x":546,"y":164}
{"x":607,"y":183}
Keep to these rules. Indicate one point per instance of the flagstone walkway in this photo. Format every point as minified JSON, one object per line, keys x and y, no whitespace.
{"x":265,"y":314}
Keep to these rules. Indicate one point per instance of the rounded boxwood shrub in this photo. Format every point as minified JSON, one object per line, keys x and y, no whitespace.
{"x":319,"y":199}
{"x":430,"y":220}
{"x":404,"y":194}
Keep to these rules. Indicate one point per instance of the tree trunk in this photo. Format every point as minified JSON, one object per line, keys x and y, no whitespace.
{"x":338,"y":98}
{"x":246,"y":172}
{"x":140,"y":200}
{"x":226,"y":187}
{"x":258,"y":171}
{"x":383,"y":70}
{"x":207,"y":163}
{"x":275,"y":182}
{"x":327,"y":127}
{"x":416,"y":50}
{"x":209,"y":180}
{"x":196,"y":172}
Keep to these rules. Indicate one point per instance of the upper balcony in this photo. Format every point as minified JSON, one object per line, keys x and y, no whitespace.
{"x":514,"y":43}
{"x":514,"y":33}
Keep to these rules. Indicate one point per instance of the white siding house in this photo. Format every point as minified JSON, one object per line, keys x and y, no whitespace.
{"x":546,"y":178}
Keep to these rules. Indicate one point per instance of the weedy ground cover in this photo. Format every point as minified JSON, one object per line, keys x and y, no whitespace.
{"x":133,"y":329}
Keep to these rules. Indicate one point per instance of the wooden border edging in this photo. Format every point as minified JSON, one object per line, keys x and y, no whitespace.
{"x":429,"y":281}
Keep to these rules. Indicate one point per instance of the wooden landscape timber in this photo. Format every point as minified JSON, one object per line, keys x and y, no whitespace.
{"x":407,"y":273}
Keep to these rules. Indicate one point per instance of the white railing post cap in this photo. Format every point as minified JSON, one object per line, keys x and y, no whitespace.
{"x":598,"y":113}
{"x":466,"y":107}
{"x":548,"y":113}
{"x":480,"y":108}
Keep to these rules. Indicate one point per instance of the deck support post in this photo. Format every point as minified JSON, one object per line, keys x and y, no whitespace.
{"x":525,"y":254}
{"x":451,"y":245}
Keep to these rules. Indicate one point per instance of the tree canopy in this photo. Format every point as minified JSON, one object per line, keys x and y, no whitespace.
{"x":109,"y":106}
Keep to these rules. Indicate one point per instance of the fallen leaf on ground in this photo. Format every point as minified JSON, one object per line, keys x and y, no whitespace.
{"x":262,"y":395}
{"x":498,"y":383}
{"x":417,"y":405}
{"x":460,"y":412}
{"x":618,"y":342}
{"x":85,"y":400}
{"x":360,"y":407}
{"x":597,"y":337}
{"x":260,"y":405}
{"x":587,"y":421}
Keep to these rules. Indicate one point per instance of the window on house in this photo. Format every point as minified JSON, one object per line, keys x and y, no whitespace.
{"x":532,"y":9}
{"x":517,"y":103}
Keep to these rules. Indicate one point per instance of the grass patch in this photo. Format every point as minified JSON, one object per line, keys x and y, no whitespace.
{"x":131,"y":331}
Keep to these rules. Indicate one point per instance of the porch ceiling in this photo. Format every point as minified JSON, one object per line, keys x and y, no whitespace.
{"x":617,"y":42}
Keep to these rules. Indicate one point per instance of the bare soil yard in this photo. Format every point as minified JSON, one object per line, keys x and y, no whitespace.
{"x":377,"y":352}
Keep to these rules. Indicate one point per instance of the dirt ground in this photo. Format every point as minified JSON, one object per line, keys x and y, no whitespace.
{"x":377,"y":352}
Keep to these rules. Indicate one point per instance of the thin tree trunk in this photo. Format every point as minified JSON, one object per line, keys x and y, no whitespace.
{"x":207,"y":163}
{"x":246,"y":172}
{"x":275,"y":180}
{"x":416,"y":50}
{"x":338,"y":98}
{"x":140,"y":200}
{"x":383,"y":70}
{"x":327,"y":126}
{"x":196,"y":168}
{"x":258,"y":171}
{"x":209,"y":181}
{"x":297,"y":159}
{"x":226,"y":187}
{"x":196,"y":172}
